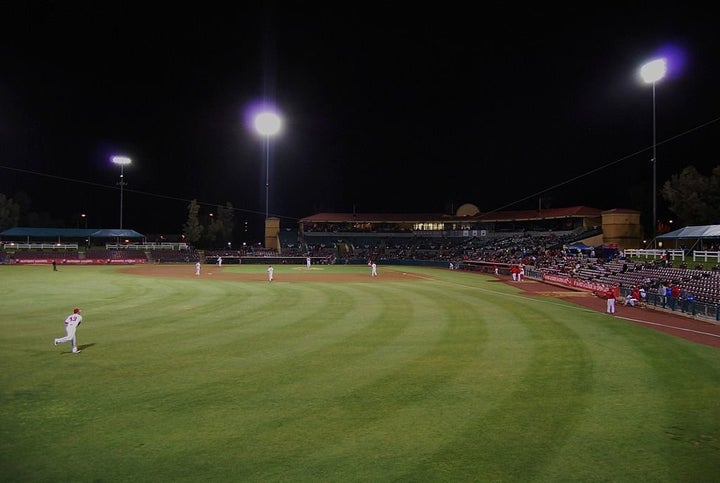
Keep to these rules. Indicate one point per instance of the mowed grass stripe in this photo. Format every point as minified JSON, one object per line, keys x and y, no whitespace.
{"x":399,"y":403}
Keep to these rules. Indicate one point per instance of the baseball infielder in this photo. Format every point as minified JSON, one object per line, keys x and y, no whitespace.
{"x":71,"y":324}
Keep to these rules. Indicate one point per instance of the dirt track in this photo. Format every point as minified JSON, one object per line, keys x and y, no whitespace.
{"x":691,"y":328}
{"x":687,"y":327}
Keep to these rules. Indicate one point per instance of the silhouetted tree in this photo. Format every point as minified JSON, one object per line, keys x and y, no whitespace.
{"x":693,"y":197}
{"x":192,"y":228}
{"x":9,"y":212}
{"x":226,"y":220}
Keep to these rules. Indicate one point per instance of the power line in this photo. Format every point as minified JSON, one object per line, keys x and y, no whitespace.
{"x":144,"y":193}
{"x":612,"y":163}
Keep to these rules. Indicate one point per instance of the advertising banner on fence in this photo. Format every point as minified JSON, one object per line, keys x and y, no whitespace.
{"x":573,"y":282}
{"x":77,"y":261}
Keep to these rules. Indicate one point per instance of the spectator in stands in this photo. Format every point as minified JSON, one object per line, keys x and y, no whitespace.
{"x":690,"y":302}
{"x":661,"y":293}
{"x":643,"y":295}
{"x":674,"y":295}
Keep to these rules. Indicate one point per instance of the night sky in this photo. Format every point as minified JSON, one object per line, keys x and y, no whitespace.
{"x":386,"y":108}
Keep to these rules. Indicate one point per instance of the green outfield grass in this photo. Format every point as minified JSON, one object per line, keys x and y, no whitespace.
{"x":450,"y":377}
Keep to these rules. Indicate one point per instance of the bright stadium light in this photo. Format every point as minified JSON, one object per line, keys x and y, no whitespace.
{"x":651,"y":73}
{"x":122,"y":161}
{"x":267,"y":124}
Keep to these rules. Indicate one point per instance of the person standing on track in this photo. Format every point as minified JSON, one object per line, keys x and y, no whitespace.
{"x":611,"y":295}
{"x":71,"y":324}
{"x":197,"y":268}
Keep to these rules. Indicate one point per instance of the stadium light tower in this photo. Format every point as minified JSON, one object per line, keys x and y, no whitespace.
{"x":122,"y":161}
{"x":267,"y":124}
{"x":651,"y":73}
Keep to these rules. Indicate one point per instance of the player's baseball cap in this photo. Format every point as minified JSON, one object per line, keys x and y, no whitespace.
{"x":76,"y":310}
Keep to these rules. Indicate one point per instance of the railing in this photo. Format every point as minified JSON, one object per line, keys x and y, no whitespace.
{"x":704,"y":255}
{"x":147,"y":246}
{"x":697,"y":255}
{"x":654,"y":253}
{"x":40,"y":246}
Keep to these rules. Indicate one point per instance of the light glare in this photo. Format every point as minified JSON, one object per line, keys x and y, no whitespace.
{"x":267,"y":123}
{"x":653,"y":71}
{"x":121,"y":160}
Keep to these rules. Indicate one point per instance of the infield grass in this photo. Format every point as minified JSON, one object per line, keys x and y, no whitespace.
{"x":445,"y":376}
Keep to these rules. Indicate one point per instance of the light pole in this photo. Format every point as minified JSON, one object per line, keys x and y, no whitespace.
{"x":122,"y":161}
{"x":267,"y":124}
{"x":651,"y":73}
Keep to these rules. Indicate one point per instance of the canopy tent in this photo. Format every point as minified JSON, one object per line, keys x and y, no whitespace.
{"x":30,"y":235}
{"x":579,"y":246}
{"x":130,"y":234}
{"x":696,"y":234}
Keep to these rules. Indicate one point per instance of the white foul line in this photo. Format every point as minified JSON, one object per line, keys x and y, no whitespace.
{"x":669,"y":326}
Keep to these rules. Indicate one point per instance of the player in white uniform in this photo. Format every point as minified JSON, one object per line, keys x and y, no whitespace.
{"x":308,"y":261}
{"x":71,"y":324}
{"x":373,"y":269}
{"x":270,"y":271}
{"x":219,"y":261}
{"x":197,"y":269}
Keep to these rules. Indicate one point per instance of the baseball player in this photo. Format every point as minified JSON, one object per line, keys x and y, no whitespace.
{"x":71,"y":323}
{"x":270,"y":271}
{"x":611,"y":294}
{"x":373,"y":269}
{"x":197,"y":269}
{"x":308,"y":262}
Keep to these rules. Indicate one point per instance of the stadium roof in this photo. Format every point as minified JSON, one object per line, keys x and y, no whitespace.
{"x":374,"y":217}
{"x":692,"y":232}
{"x":540,"y":214}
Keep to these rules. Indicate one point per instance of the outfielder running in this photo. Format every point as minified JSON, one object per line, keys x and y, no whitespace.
{"x":71,"y":323}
